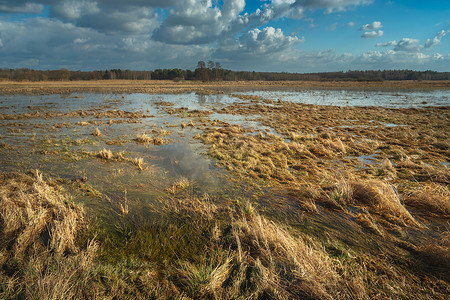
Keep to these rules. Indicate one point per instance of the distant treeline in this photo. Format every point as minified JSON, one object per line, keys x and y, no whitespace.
{"x":214,"y":72}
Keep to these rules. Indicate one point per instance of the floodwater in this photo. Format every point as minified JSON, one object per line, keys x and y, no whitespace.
{"x":68,"y":152}
{"x":388,"y":99}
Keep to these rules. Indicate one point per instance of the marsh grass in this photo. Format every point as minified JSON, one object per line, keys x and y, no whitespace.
{"x":105,"y":154}
{"x":35,"y":214}
{"x":145,"y":139}
{"x":108,"y":155}
{"x":138,"y":162}
{"x":434,"y":199}
{"x":195,"y":249}
{"x":180,"y":184}
{"x":96,"y":132}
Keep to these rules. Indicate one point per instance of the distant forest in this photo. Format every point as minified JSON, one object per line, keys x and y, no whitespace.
{"x":213,"y":71}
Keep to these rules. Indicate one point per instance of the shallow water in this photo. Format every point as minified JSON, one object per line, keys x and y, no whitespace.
{"x":164,"y":164}
{"x":388,"y":99}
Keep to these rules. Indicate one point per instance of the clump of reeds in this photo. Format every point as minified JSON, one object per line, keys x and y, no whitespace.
{"x":96,"y":132}
{"x":264,"y":249}
{"x":123,"y":205}
{"x":180,"y":184}
{"x":144,"y":138}
{"x":105,"y":154}
{"x":138,"y":163}
{"x":163,"y":132}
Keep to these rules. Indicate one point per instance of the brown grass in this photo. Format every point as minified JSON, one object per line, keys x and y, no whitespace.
{"x":434,"y":199}
{"x":96,"y":132}
{"x":159,"y":86}
{"x":144,"y":138}
{"x":245,"y":256}
{"x":35,"y":214}
{"x":180,"y":184}
{"x":105,"y":154}
{"x":138,"y":163}
{"x":382,"y":198}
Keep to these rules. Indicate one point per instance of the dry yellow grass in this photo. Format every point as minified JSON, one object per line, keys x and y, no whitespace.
{"x":382,"y":198}
{"x":96,"y":132}
{"x":144,"y":138}
{"x":160,"y":86}
{"x":105,"y":154}
{"x":434,"y":199}
{"x":35,"y":214}
{"x":180,"y":184}
{"x":138,"y":162}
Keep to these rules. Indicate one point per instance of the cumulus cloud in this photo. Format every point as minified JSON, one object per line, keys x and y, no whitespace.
{"x":198,"y":22}
{"x":414,"y":45}
{"x":372,"y":34}
{"x":53,"y":44}
{"x":388,"y":44}
{"x":74,"y":9}
{"x":407,"y":53}
{"x":371,"y":27}
{"x":266,"y":41}
{"x":331,"y":5}
{"x":146,"y":34}
{"x":19,"y":6}
{"x":436,"y":40}
{"x":267,"y":47}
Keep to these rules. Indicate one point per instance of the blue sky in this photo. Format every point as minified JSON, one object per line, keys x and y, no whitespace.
{"x":273,"y":35}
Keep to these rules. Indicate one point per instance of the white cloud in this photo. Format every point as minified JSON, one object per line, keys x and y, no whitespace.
{"x":74,"y":9}
{"x":59,"y":44}
{"x":414,"y":45}
{"x":408,"y":45}
{"x":371,"y":27}
{"x":351,"y":24}
{"x":199,"y":22}
{"x":388,"y":44}
{"x":1,"y":43}
{"x":258,"y":47}
{"x":437,"y":39}
{"x":372,"y":34}
{"x":331,"y":5}
{"x":23,"y":7}
{"x":266,"y":41}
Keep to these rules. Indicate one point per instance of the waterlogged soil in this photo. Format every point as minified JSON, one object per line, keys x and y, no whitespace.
{"x":366,"y":170}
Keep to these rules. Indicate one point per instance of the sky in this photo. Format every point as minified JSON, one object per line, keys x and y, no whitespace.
{"x":254,"y":35}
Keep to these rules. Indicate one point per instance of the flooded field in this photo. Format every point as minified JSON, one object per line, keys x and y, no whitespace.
{"x":245,"y":193}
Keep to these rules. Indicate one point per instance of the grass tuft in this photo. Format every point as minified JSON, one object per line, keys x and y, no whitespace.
{"x":138,"y":163}
{"x":96,"y":132}
{"x":105,"y":154}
